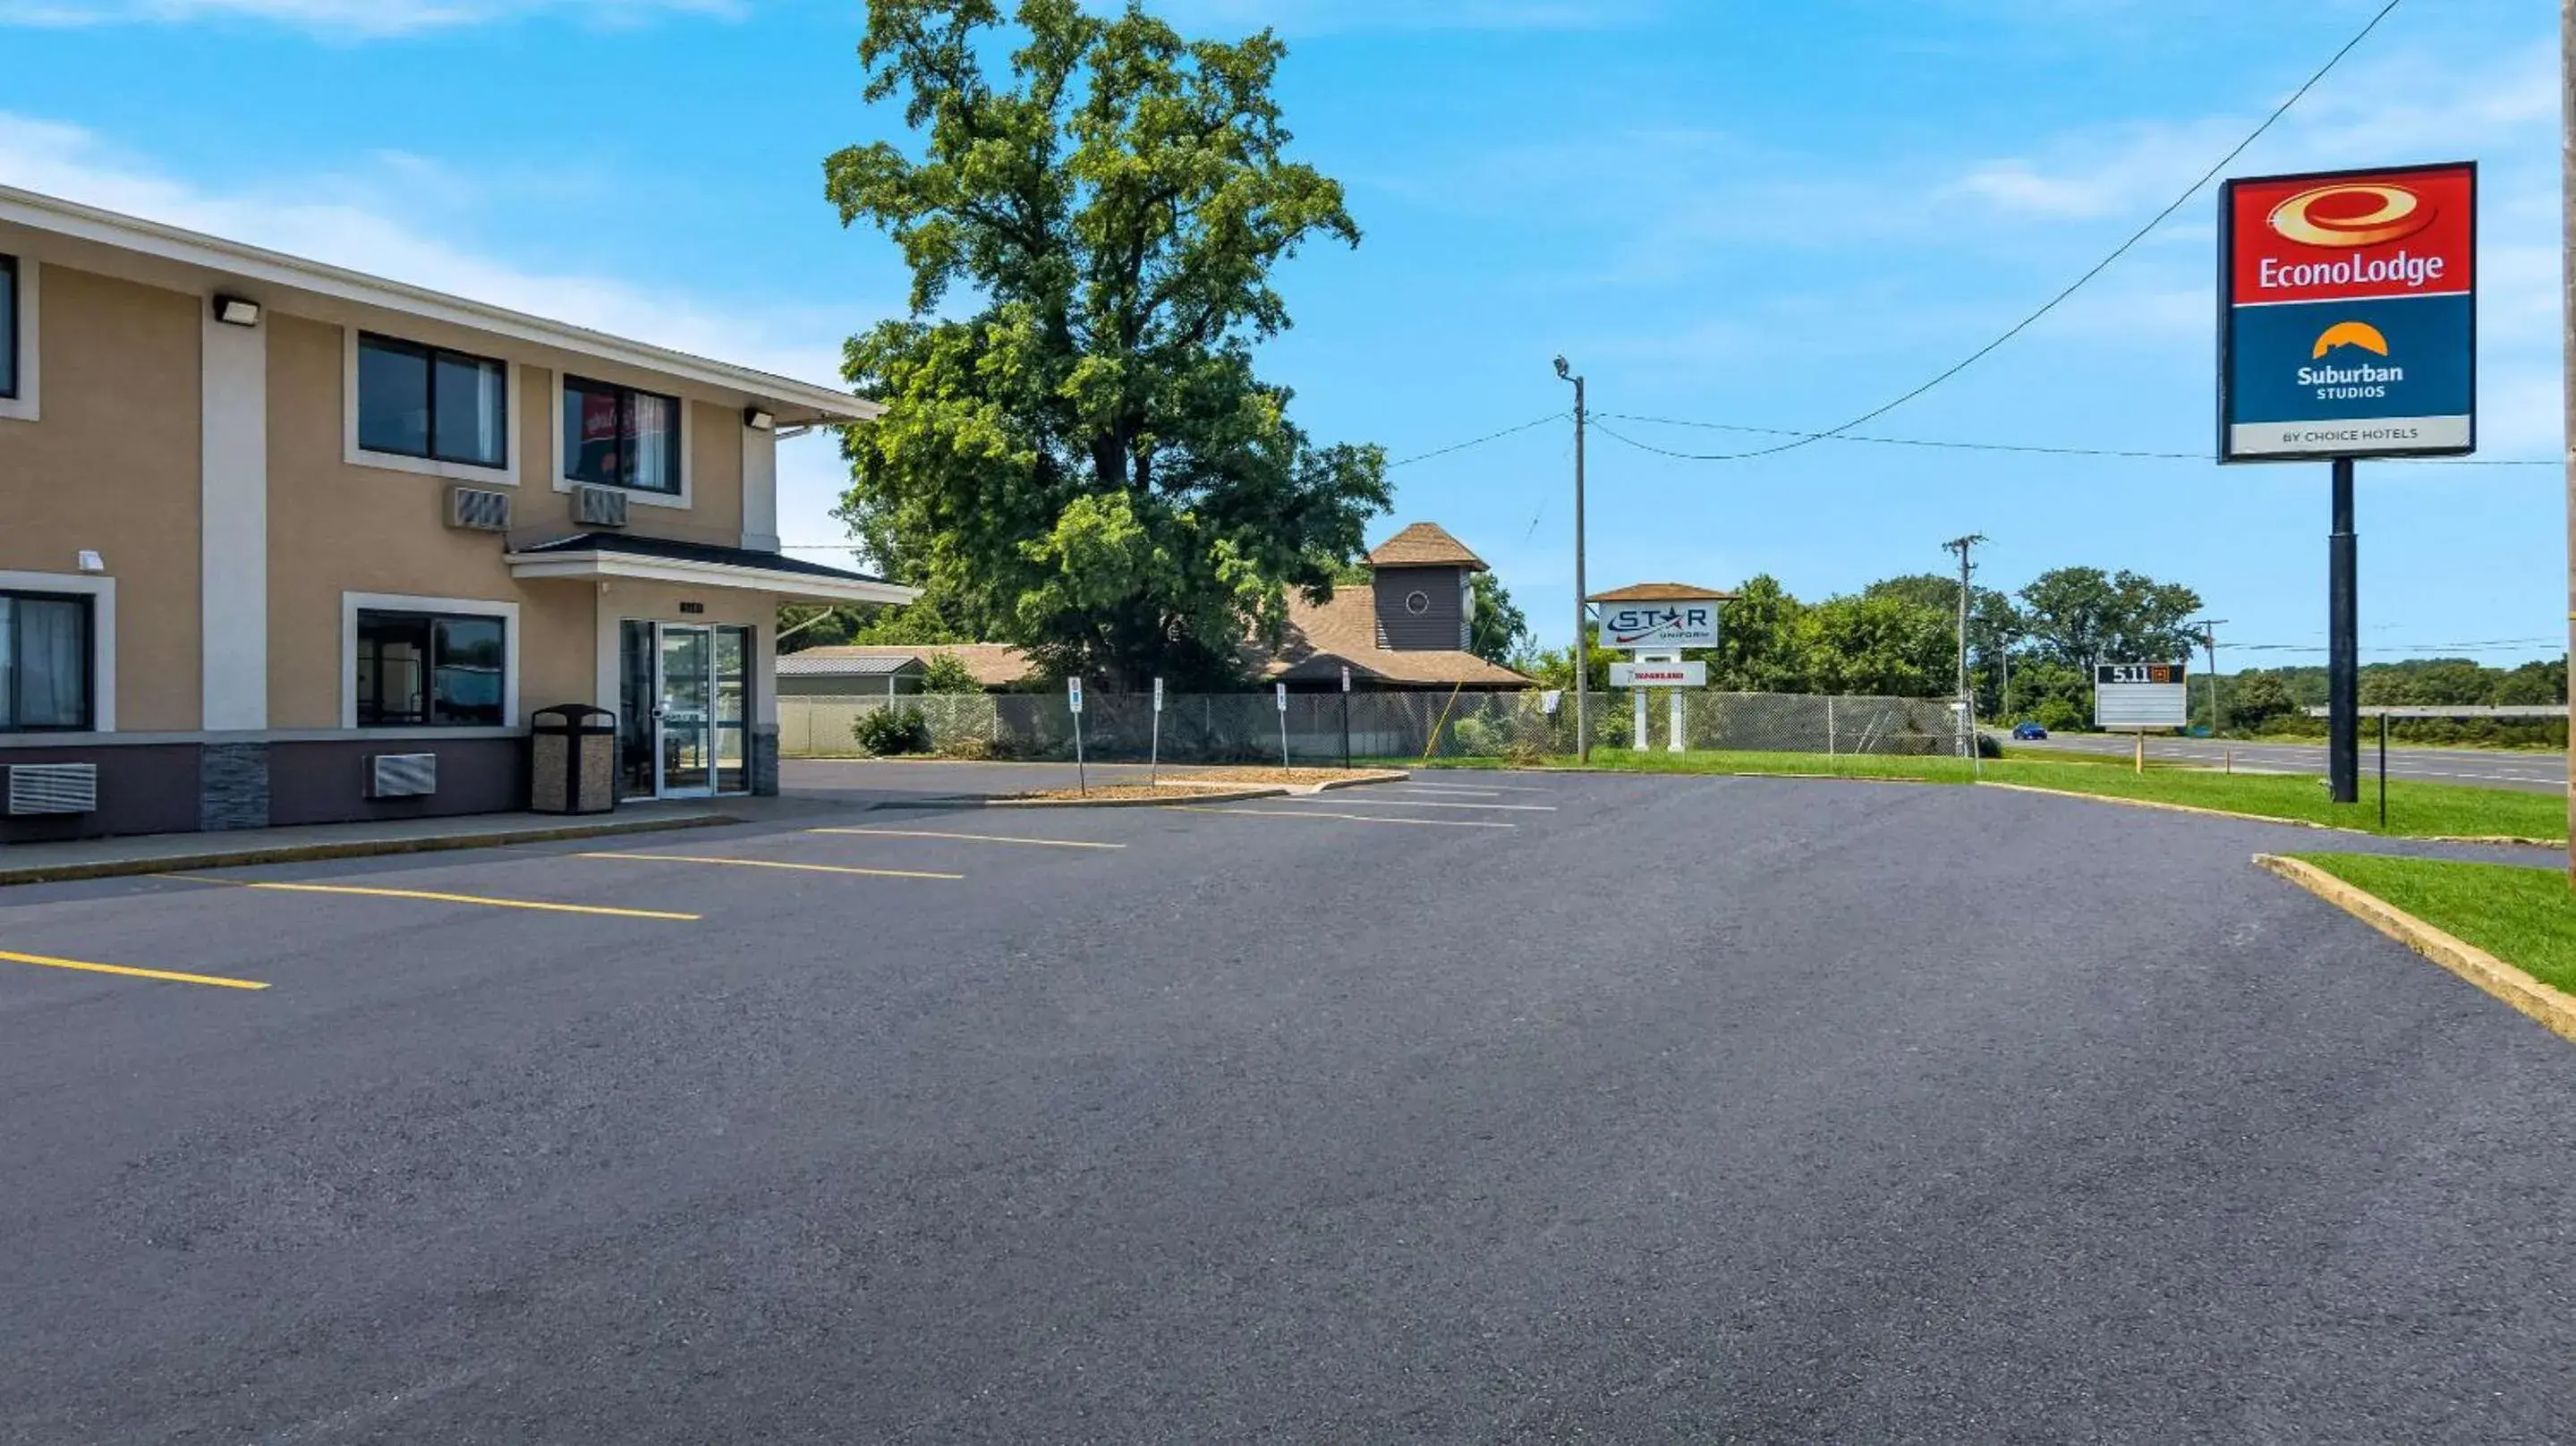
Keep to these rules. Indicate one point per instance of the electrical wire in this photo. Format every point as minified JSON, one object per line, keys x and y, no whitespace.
{"x":1477,"y":442}
{"x":2033,"y":448}
{"x":2098,"y":267}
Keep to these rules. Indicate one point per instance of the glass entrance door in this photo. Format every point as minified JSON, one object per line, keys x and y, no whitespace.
{"x":684,"y":715}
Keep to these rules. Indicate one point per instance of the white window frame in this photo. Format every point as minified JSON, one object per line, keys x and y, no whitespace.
{"x":23,"y":407}
{"x":353,"y":603}
{"x":357,"y":456}
{"x":635,"y":496}
{"x":101,"y":592}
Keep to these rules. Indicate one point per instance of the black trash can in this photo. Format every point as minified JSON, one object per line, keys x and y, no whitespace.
{"x":573,"y":767}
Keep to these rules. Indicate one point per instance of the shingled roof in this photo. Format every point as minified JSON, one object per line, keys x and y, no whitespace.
{"x":1323,"y":636}
{"x":1663,"y":592}
{"x":994,"y":665}
{"x":1425,"y":544}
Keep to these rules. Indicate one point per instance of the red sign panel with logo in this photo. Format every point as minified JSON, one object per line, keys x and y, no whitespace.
{"x":2348,"y":323}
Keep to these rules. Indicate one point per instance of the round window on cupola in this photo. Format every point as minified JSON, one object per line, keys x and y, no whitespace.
{"x":1417,"y":603}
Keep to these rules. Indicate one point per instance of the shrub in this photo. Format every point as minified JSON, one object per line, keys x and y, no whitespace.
{"x":882,"y":731}
{"x":969,"y":748}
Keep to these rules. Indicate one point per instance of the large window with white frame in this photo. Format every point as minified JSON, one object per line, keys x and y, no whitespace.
{"x":617,"y":436}
{"x":45,"y":658}
{"x":432,"y":403}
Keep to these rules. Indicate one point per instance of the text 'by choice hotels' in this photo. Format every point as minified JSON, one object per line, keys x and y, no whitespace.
{"x":2350,"y":314}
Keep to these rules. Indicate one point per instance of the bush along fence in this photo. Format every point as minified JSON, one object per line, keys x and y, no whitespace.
{"x":1243,"y":727}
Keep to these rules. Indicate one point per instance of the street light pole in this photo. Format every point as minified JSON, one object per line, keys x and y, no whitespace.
{"x":2209,"y":639}
{"x":2567,"y":249}
{"x":1582,"y":648}
{"x":1967,"y":699}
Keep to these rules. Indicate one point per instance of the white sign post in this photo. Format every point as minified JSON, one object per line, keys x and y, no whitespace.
{"x":1283,"y":725}
{"x":2136,"y":697}
{"x":1154,"y":760}
{"x":1073,"y":698}
{"x":1346,"y":715}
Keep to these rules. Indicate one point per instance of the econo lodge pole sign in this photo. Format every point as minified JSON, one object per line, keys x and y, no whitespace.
{"x":2347,"y":328}
{"x":2350,"y":315}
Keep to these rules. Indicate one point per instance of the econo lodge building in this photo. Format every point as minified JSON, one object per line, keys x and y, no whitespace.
{"x":282,"y":543}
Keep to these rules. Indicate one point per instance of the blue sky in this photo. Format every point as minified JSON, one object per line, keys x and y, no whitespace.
{"x":1774,"y":215}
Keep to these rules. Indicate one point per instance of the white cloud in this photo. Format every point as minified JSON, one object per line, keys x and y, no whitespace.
{"x":1310,"y":17}
{"x":364,"y":18}
{"x":332,"y":219}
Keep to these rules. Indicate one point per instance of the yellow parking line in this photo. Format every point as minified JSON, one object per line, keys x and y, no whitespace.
{"x":436,"y":898}
{"x":214,"y":980}
{"x":1053,"y":843}
{"x":1351,"y":817}
{"x":773,"y":864}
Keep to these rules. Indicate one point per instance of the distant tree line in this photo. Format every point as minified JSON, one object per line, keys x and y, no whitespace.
{"x":2276,"y":700}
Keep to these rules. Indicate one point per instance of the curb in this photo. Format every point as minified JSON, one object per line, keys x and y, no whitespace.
{"x":2161,"y":806}
{"x":345,"y":849}
{"x":2551,"y":1009}
{"x":1236,"y":795}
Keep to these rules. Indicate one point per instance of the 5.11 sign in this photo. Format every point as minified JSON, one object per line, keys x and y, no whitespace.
{"x":2348,"y":314}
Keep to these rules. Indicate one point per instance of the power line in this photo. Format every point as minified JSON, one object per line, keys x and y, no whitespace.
{"x":2029,"y":447}
{"x":2098,"y":267}
{"x":1478,"y":442}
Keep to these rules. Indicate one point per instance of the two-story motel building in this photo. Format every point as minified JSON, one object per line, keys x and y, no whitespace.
{"x":283,"y":543}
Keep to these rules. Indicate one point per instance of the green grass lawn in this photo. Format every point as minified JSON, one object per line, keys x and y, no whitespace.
{"x":2526,"y":917}
{"x":2415,"y":810}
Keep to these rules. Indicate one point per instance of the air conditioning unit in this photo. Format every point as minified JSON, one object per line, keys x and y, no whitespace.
{"x":53,"y":788}
{"x":402,"y":775}
{"x":598,"y":507}
{"x":478,"y":508}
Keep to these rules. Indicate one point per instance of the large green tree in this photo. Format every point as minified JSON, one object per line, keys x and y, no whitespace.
{"x":2079,"y":616}
{"x":1087,"y":464}
{"x":1885,"y":644}
{"x":1758,"y":648}
{"x":1499,"y":631}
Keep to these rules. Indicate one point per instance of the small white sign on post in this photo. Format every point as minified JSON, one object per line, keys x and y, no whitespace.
{"x":1283,"y":697}
{"x":1283,"y":725}
{"x":1073,"y":696}
{"x":1158,"y":695}
{"x":1346,"y":677}
{"x":1154,"y":760}
{"x":1073,"y":693}
{"x":2140,"y":695}
{"x":1659,"y":675}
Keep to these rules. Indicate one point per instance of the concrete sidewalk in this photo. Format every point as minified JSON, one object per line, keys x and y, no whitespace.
{"x":162,"y":853}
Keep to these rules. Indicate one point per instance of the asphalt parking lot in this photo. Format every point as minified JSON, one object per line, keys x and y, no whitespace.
{"x":1488,"y":1107}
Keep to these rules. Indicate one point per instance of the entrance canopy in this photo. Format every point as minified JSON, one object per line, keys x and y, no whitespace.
{"x":604,"y":555}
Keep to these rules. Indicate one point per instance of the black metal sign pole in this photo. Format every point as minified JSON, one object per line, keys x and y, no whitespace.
{"x":2343,"y":647}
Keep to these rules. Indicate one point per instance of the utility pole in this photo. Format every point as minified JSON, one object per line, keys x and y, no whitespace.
{"x":2567,"y":250}
{"x":1967,"y":699}
{"x":2209,"y":639}
{"x":1582,"y":649}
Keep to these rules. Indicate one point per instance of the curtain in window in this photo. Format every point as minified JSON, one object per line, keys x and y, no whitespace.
{"x":656,"y":429}
{"x":470,"y":411}
{"x":44,"y":663}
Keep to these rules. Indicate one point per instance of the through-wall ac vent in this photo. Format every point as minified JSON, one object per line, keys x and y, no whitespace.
{"x":598,"y":507}
{"x":53,"y":788}
{"x":402,"y":775}
{"x":478,"y":508}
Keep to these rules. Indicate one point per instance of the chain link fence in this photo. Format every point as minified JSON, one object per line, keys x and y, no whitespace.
{"x":1324,"y":727}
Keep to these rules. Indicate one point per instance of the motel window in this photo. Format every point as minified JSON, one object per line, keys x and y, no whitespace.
{"x":44,"y":663}
{"x":427,"y":401}
{"x":8,"y":326}
{"x":619,"y":437}
{"x":430,"y":670}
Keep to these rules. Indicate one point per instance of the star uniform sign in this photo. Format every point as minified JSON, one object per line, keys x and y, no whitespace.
{"x":1659,"y":617}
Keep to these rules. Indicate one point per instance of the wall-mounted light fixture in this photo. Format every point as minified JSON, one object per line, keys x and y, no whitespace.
{"x":236,"y":311}
{"x":90,"y":561}
{"x":759,"y":419}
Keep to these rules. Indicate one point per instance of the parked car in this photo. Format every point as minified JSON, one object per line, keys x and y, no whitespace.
{"x":2028,"y":732}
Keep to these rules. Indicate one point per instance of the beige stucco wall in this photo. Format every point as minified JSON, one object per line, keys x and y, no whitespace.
{"x":113,"y":465}
{"x":337,"y":527}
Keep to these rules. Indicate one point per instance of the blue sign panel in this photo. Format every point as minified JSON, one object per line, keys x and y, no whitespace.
{"x":2401,"y":361}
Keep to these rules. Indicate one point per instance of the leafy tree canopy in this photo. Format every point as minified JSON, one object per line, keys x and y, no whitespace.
{"x":1087,"y":464}
{"x":1499,"y":630}
{"x":943,"y":673}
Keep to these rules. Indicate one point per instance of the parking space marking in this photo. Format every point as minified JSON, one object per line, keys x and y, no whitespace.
{"x":774,"y":864}
{"x":1349,"y":817}
{"x":215,"y":981}
{"x":539,"y":905}
{"x":1052,"y":843}
{"x":1437,"y":803}
{"x":1474,"y":787}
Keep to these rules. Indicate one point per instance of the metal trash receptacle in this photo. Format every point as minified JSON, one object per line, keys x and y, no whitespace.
{"x":573,"y":763}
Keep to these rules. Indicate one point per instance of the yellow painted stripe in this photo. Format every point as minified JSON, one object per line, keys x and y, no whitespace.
{"x":214,"y":980}
{"x":773,"y":864}
{"x":1350,"y":817}
{"x":538,"y":905}
{"x":1053,"y":843}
